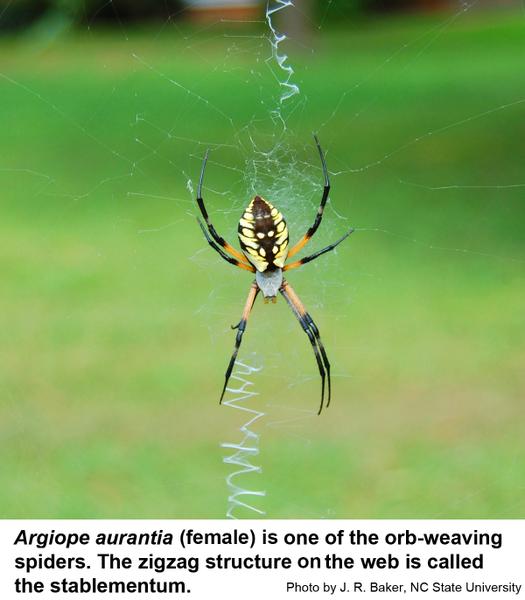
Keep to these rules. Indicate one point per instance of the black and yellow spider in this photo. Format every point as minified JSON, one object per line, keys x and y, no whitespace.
{"x":263,"y":236}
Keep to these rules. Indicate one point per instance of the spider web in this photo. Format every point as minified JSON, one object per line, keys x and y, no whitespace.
{"x":266,"y":147}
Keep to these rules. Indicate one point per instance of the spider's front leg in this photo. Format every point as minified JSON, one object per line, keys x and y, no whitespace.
{"x":310,"y":328}
{"x":241,"y":327}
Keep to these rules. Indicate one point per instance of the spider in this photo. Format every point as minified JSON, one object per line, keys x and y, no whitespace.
{"x":263,"y":237}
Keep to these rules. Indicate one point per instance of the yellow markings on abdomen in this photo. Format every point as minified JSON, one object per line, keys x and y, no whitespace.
{"x":249,"y":243}
{"x":263,"y":235}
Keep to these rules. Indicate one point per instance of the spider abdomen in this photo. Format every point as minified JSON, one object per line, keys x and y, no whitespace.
{"x":263,"y":235}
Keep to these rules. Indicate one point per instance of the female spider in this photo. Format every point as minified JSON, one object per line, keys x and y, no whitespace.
{"x":263,"y":236}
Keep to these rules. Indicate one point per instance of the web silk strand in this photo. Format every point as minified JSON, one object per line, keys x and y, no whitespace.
{"x":239,"y":497}
{"x":289,"y":89}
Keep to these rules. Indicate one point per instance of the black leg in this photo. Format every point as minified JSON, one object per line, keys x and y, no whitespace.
{"x":310,"y":328}
{"x":213,"y":232}
{"x":315,"y":255}
{"x":315,"y":331}
{"x":241,"y":327}
{"x":326,"y":190}
{"x":231,"y":260}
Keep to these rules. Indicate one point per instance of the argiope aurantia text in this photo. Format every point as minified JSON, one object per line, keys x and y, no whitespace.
{"x":263,"y":236}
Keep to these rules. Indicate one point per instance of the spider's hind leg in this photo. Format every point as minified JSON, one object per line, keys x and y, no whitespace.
{"x":220,"y":241}
{"x":319,"y":216}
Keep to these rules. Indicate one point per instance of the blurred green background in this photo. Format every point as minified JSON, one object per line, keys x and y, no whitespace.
{"x":115,"y":314}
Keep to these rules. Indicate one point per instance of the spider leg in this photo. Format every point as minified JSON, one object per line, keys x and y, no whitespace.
{"x":315,"y":255}
{"x":326,"y":190}
{"x":310,"y":328}
{"x":232,"y":261}
{"x":241,"y":327}
{"x":213,"y":232}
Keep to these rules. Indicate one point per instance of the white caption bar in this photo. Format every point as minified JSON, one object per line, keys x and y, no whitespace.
{"x":202,"y":560}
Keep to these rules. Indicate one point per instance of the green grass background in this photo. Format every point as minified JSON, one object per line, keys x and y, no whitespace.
{"x":115,"y":315}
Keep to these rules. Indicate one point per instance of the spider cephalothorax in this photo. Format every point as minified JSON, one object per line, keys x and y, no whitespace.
{"x":263,"y":235}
